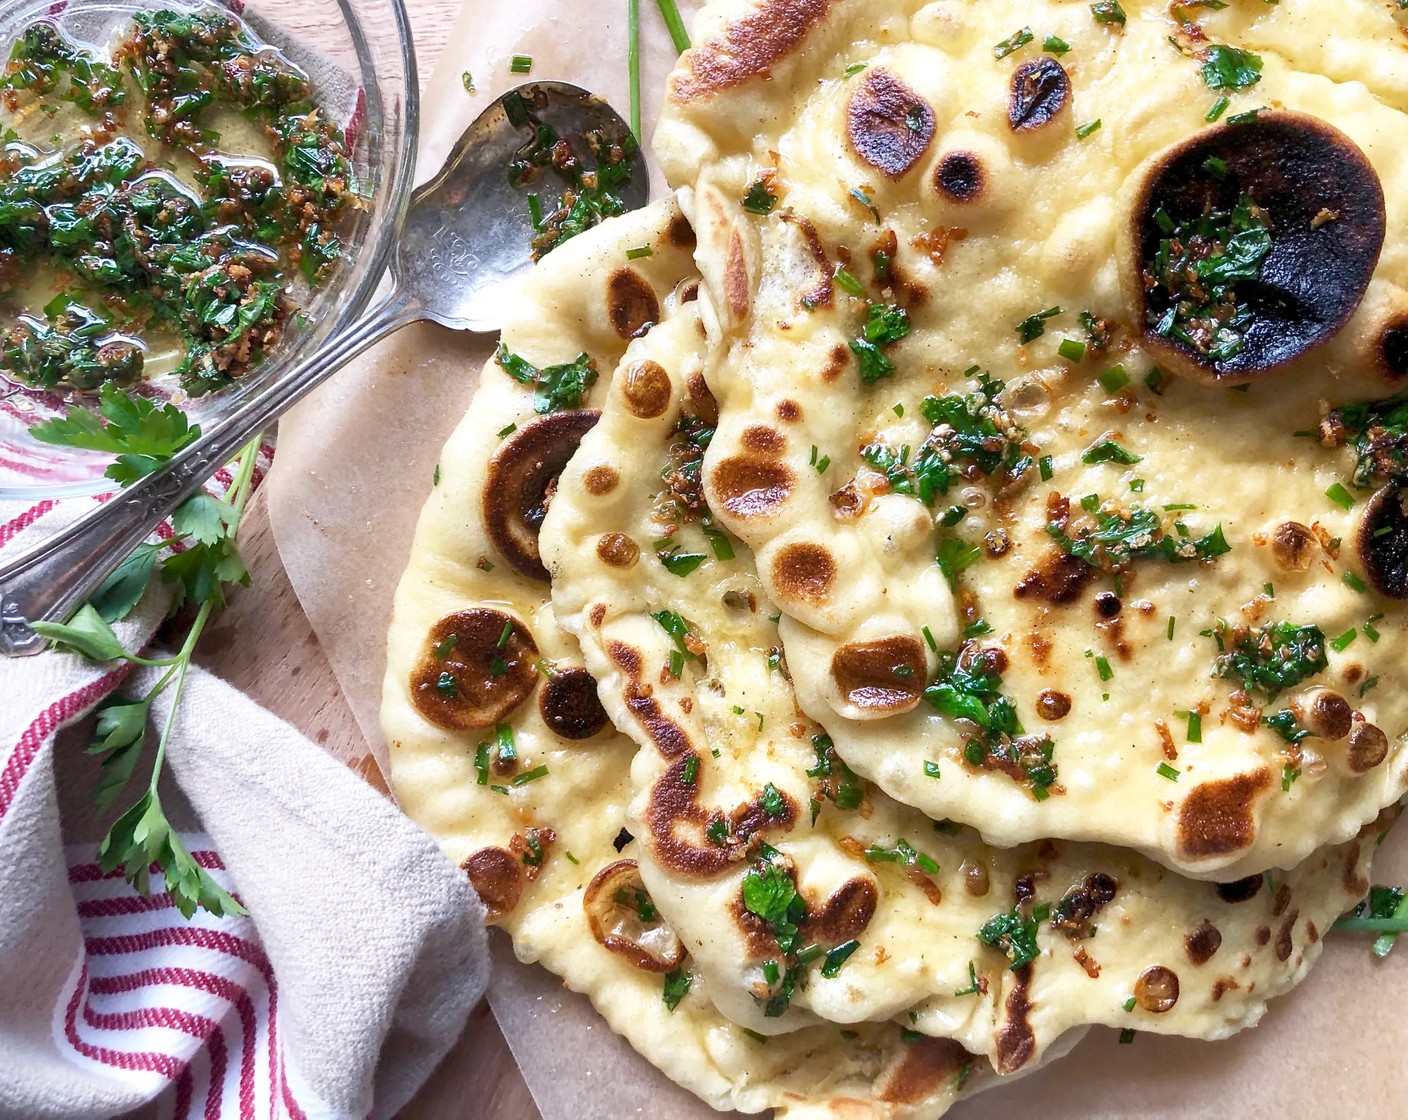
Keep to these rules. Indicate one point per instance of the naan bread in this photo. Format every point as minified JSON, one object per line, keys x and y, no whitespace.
{"x":1143,"y":564}
{"x":674,"y":623}
{"x":545,"y":847}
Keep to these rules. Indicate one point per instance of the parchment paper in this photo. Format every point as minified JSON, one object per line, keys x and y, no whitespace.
{"x":355,"y":464}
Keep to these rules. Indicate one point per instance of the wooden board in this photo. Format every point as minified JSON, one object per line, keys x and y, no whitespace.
{"x":263,"y":645}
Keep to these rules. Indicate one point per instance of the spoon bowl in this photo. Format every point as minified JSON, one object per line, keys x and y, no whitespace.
{"x":469,"y":231}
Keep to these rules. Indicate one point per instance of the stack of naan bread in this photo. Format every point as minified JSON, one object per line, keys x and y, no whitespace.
{"x":930,"y":584}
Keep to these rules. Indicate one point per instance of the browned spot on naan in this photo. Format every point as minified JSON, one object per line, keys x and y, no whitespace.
{"x":748,"y":48}
{"x":631,"y":302}
{"x":925,"y":1065}
{"x":764,"y":440}
{"x":520,"y":481}
{"x":1203,"y":942}
{"x":884,"y":677}
{"x":570,"y":706}
{"x":844,"y":915}
{"x":804,"y":572}
{"x":1217,"y":817}
{"x":646,"y":389}
{"x":738,"y":288}
{"x":749,"y":487}
{"x":960,"y":177}
{"x":475,"y":668}
{"x":889,"y":125}
{"x":600,"y":480}
{"x":1156,"y":990}
{"x":1059,"y":579}
{"x":1016,"y":1042}
{"x":618,"y":550}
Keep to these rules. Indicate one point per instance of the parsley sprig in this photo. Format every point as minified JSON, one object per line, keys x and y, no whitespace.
{"x":196,"y":564}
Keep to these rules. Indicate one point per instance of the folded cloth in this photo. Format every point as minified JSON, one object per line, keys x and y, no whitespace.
{"x":353,"y":974}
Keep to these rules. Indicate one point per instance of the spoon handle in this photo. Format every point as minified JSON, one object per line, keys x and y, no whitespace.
{"x":52,"y":580}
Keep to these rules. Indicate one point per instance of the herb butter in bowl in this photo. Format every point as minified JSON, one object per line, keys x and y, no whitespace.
{"x":190,"y":200}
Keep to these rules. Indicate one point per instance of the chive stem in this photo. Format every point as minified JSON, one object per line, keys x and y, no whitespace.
{"x":674,"y":24}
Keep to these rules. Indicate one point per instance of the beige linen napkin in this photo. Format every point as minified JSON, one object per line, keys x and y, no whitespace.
{"x":356,"y":464}
{"x":353,"y":974}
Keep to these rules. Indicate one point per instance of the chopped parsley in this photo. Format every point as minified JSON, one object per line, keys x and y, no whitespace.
{"x":968,"y":688}
{"x":885,"y":324}
{"x":1384,"y":912}
{"x":1271,"y":658}
{"x":760,"y":199}
{"x":1379,"y":430}
{"x":1109,"y":451}
{"x":1230,"y":68}
{"x":1013,"y":43}
{"x":838,"y":783}
{"x":1108,"y":12}
{"x":1114,"y":537}
{"x":903,"y":853}
{"x":1194,"y":275}
{"x":1012,"y":934}
{"x":1034,"y":326}
{"x":554,"y":387}
{"x":677,"y":985}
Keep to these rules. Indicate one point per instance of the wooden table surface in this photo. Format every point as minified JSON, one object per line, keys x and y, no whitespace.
{"x":263,"y":645}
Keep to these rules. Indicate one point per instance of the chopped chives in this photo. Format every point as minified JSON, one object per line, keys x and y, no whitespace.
{"x":849,"y":283}
{"x":641,"y":251}
{"x":1087,"y":130}
{"x":1072,"y":349}
{"x":1218,"y":108}
{"x":505,"y":634}
{"x":691,"y":769}
{"x":1055,"y":45}
{"x":1371,"y":633}
{"x":1344,"y":641}
{"x":531,"y":775}
{"x":1044,"y":467}
{"x":521,"y":63}
{"x":853,"y":69}
{"x":1114,"y":379}
{"x":1136,"y":485}
{"x":1354,"y":583}
{"x":1102,"y":666}
{"x":670,"y":13}
{"x":1340,"y":496}
{"x":929,"y":638}
{"x":1164,"y":770}
{"x":1195,"y":727}
{"x":931,"y":769}
{"x":1172,"y":622}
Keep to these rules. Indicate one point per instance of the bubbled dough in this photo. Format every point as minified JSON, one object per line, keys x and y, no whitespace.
{"x":914,"y":954}
{"x":813,"y":1074}
{"x":1043,"y":232}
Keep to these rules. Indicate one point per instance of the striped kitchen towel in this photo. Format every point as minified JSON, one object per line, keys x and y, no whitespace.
{"x":353,"y":974}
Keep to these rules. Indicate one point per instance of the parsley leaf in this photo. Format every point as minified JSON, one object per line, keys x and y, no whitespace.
{"x":1231,"y":68}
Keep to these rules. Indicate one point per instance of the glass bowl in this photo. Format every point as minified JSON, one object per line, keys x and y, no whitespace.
{"x":360,"y":58}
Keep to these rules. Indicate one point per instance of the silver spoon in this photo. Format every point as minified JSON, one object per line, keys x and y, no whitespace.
{"x":466,"y":235}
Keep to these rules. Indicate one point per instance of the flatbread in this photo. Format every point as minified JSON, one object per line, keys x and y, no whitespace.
{"x":537,"y":847}
{"x":632,"y":554}
{"x":959,"y":142}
